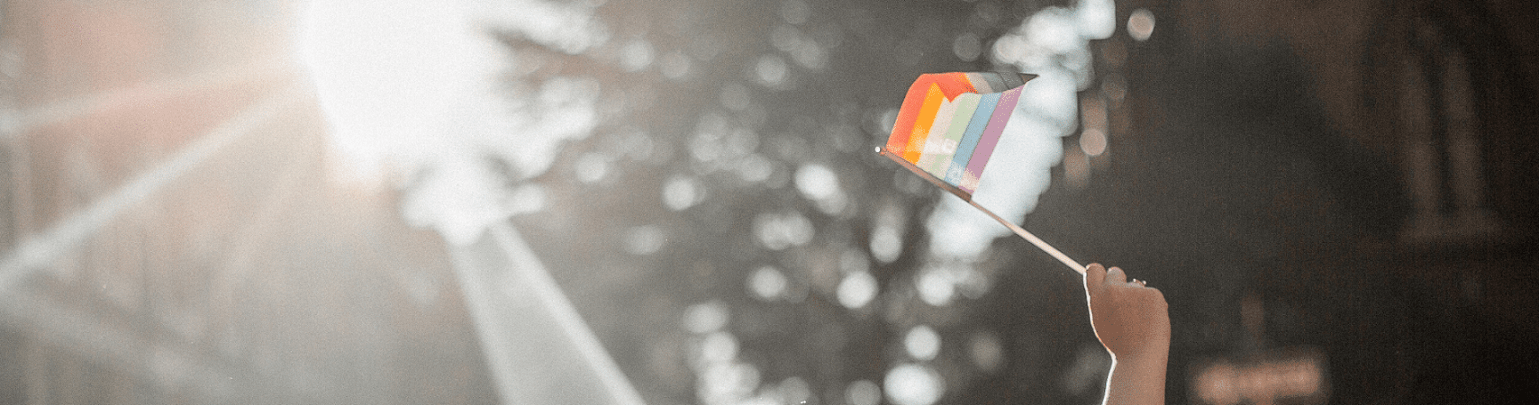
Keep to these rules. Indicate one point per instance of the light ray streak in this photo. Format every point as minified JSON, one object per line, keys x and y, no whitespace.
{"x":13,"y":123}
{"x":41,"y":249}
{"x":571,"y":322}
{"x":530,"y":333}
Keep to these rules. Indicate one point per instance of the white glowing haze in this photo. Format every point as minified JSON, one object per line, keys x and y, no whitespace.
{"x":389,"y":74}
{"x":410,"y":87}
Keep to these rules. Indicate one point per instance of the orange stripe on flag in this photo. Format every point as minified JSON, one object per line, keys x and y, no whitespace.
{"x":950,"y":85}
{"x":929,"y":116}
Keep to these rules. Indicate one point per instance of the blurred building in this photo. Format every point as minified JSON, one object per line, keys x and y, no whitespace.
{"x":1358,"y":168}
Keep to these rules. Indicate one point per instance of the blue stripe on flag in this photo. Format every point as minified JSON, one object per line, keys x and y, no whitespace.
{"x":975,"y":127}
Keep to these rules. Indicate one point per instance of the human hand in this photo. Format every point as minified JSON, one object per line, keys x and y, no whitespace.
{"x":1130,"y":319}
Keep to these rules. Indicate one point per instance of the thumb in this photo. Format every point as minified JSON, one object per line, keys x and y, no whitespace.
{"x":1095,"y":277}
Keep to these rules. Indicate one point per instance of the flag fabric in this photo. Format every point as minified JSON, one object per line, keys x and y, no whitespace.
{"x":949,"y":124}
{"x":947,"y":129}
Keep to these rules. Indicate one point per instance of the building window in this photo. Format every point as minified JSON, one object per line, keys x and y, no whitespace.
{"x":1440,"y":151}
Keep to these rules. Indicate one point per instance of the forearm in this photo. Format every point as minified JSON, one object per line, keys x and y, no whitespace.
{"x":1139,"y":381}
{"x":1133,"y":322}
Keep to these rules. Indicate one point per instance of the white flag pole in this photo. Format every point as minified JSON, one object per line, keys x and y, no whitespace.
{"x":1073,"y":265}
{"x":965,"y":196}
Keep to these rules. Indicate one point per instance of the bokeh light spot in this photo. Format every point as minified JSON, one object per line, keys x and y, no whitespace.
{"x":1141,"y":24}
{"x":922,"y":343}
{"x":1093,"y":142}
{"x":986,"y":351}
{"x":886,"y":244}
{"x":1097,"y":18}
{"x":680,"y":193}
{"x":816,"y":181}
{"x":717,"y":347}
{"x":728,"y":382}
{"x":967,"y":47}
{"x":771,"y":70}
{"x":767,"y":283}
{"x":794,"y":390}
{"x":755,"y":168}
{"x":913,"y":384}
{"x":935,"y":287}
{"x":636,"y":55}
{"x":857,"y":290}
{"x":644,"y":240}
{"x":863,"y":392}
{"x":821,"y":185}
{"x":885,"y":121}
{"x":706,"y":317}
{"x":592,"y":167}
{"x":780,"y":231}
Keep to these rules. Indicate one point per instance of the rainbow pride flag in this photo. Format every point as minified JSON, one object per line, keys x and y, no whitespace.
{"x":947,"y":130}
{"x":949,"y":124}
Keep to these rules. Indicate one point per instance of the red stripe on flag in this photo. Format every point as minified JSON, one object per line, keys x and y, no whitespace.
{"x":950,"y":84}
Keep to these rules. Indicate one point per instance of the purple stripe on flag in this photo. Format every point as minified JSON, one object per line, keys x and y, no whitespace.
{"x":990,"y":138}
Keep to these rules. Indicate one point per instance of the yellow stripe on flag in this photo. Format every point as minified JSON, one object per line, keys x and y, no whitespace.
{"x":916,"y":140}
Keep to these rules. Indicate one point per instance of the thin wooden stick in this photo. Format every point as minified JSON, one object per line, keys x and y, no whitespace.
{"x":968,"y":197}
{"x":1073,"y":265}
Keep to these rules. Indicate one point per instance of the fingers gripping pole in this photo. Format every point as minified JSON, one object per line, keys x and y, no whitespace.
{"x":1073,"y":265}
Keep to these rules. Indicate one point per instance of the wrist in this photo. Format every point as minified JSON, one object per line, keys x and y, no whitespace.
{"x":1147,"y":362}
{"x":1136,"y":380}
{"x":1153,"y":355}
{"x":1141,"y":346}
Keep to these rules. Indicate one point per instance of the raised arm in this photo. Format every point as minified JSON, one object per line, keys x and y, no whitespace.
{"x":1132,"y":321}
